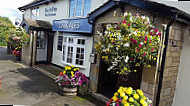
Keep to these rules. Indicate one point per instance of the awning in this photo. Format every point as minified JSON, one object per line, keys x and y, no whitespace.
{"x":36,"y":24}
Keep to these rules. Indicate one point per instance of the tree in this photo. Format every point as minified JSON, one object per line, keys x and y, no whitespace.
{"x":5,"y":27}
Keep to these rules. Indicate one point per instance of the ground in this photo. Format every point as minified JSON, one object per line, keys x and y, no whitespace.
{"x":23,"y":85}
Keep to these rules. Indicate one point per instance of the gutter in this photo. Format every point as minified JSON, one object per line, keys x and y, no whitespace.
{"x":164,"y":58}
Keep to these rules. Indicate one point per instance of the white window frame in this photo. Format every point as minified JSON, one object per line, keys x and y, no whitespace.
{"x":82,"y":14}
{"x":74,"y":45}
{"x":37,"y":13}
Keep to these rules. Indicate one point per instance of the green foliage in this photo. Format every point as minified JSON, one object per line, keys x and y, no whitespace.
{"x":5,"y":27}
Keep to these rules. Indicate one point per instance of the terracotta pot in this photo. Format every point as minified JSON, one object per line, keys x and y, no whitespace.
{"x":68,"y":91}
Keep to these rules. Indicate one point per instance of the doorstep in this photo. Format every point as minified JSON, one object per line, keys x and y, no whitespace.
{"x":100,"y":97}
{"x":48,"y":69}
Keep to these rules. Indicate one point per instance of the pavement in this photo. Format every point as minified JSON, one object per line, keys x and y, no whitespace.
{"x":23,"y":85}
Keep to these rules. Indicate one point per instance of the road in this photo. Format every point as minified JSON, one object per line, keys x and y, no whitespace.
{"x":23,"y":85}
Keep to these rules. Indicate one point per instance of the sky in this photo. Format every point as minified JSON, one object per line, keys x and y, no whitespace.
{"x":9,"y":8}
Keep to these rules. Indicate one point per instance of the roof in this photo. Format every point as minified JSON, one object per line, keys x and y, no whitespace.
{"x":154,"y":7}
{"x":34,"y":4}
{"x":38,"y":24}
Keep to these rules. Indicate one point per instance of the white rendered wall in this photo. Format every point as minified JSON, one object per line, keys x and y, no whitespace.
{"x":182,"y":93}
{"x":58,"y":55}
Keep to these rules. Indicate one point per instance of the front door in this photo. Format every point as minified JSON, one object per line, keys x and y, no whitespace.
{"x":50,"y":47}
{"x":41,"y":46}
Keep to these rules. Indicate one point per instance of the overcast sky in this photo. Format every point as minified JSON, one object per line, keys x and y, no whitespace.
{"x":9,"y":8}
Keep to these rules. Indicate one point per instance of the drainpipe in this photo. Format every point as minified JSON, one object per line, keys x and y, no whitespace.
{"x":164,"y":58}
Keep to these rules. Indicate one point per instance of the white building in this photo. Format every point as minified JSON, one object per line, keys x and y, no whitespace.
{"x":60,"y":32}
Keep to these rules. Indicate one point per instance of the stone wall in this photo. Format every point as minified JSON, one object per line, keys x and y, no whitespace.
{"x":150,"y":76}
{"x":172,"y":64}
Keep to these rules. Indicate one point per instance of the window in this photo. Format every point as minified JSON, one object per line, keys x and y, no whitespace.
{"x":40,"y":40}
{"x":59,"y":43}
{"x":35,"y":13}
{"x":74,"y":50}
{"x":79,"y":8}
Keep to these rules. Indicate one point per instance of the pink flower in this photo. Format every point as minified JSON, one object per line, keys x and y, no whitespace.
{"x":135,"y":41}
{"x":159,"y":34}
{"x":141,"y":37}
{"x":156,"y":30}
{"x":132,"y":39}
{"x":140,"y":45}
{"x":132,"y":59}
{"x":150,"y":41}
{"x":146,"y":38}
{"x":137,"y":50}
{"x":118,"y":27}
{"x":152,"y":49}
{"x":144,"y":54}
{"x":128,"y":24}
{"x":124,"y":22}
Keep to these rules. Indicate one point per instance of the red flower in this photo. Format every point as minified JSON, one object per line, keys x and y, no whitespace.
{"x":108,"y":103}
{"x":150,"y":41}
{"x":151,"y":33}
{"x":144,"y":54}
{"x":61,"y":73}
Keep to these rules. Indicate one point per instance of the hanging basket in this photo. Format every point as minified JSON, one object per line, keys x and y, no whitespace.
{"x":69,"y":91}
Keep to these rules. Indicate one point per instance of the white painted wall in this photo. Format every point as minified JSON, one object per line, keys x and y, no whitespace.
{"x":182,"y":93}
{"x":57,"y":55}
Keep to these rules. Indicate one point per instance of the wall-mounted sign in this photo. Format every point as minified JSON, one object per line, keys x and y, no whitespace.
{"x":50,"y":11}
{"x":72,"y":25}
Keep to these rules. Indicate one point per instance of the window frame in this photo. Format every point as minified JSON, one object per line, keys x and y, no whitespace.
{"x":60,"y":41}
{"x":75,"y":46}
{"x":42,"y":40}
{"x":37,"y":13}
{"x":74,"y":11}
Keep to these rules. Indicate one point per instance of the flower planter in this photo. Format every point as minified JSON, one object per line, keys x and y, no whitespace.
{"x":18,"y":58}
{"x":68,"y":91}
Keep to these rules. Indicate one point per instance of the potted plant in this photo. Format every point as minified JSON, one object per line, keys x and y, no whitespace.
{"x":129,"y":97}
{"x":17,"y":53}
{"x":70,"y":79}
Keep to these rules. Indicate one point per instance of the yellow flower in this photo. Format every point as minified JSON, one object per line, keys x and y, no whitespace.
{"x":64,"y":71}
{"x":135,"y":70}
{"x":136,"y":96}
{"x":131,"y":99}
{"x":74,"y":69}
{"x":72,"y":66}
{"x":73,"y":75}
{"x":149,"y":65}
{"x":77,"y":69}
{"x":125,"y":97}
{"x":72,"y":72}
{"x":154,"y":58}
{"x":125,"y":68}
{"x":122,"y":94}
{"x":142,"y":101}
{"x":118,"y":46}
{"x":114,"y":98}
{"x":126,"y":104}
{"x":116,"y":94}
{"x":139,"y":92}
{"x":129,"y":91}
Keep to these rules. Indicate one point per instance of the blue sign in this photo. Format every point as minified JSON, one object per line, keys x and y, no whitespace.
{"x":72,"y":25}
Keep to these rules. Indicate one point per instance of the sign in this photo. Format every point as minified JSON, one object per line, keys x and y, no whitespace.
{"x":50,"y":11}
{"x":72,"y":25}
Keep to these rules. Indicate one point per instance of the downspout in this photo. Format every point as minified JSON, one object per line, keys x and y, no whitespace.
{"x":164,"y":58}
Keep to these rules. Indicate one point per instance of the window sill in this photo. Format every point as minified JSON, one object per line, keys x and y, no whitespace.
{"x":78,"y":66}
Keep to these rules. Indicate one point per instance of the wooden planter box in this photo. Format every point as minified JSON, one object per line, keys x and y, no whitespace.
{"x":69,"y":91}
